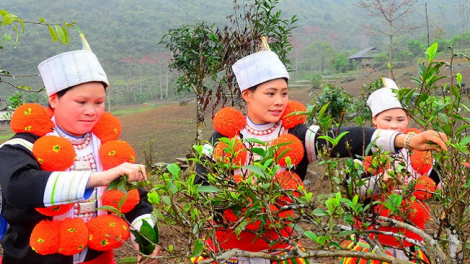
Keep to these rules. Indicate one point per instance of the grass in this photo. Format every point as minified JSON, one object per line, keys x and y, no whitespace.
{"x":129,"y":111}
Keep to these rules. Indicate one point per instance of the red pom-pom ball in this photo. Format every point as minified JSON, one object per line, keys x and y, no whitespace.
{"x":421,"y":161}
{"x":289,"y":180}
{"x":73,"y":236}
{"x":290,"y":121}
{"x":44,"y":239}
{"x":238,"y":157}
{"x":108,"y":128}
{"x":54,"y":153}
{"x":55,"y":210}
{"x":116,"y":152}
{"x":31,"y":118}
{"x":107,"y":232}
{"x":412,"y":130}
{"x":113,"y":198}
{"x":424,"y":188}
{"x":229,"y":121}
{"x":291,"y":147}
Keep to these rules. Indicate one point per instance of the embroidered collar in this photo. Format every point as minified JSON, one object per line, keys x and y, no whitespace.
{"x":260,"y":130}
{"x":73,"y":139}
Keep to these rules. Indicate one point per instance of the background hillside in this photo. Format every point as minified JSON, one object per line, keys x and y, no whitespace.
{"x":125,"y":36}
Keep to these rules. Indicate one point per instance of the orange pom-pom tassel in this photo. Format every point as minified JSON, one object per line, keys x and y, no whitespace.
{"x":108,"y":128}
{"x":291,"y":147}
{"x":55,"y":210}
{"x":113,"y":198}
{"x":44,"y":239}
{"x":238,"y":157}
{"x":116,"y":152}
{"x":229,"y":121}
{"x":31,"y":118}
{"x":412,"y":130}
{"x":424,"y":188}
{"x":421,"y":161}
{"x":289,"y":180}
{"x":54,"y":153}
{"x":107,"y":232}
{"x":372,"y":166}
{"x":73,"y":236}
{"x":290,"y":121}
{"x":419,"y":213}
{"x":49,"y":112}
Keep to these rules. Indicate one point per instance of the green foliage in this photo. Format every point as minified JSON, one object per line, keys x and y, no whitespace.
{"x":362,"y":111}
{"x":338,"y":101}
{"x":147,"y":237}
{"x":13,"y":21}
{"x":316,"y":80}
{"x":460,"y":41}
{"x":204,"y":54}
{"x":341,"y":63}
{"x":194,"y":210}
{"x":16,"y":100}
{"x":415,"y":47}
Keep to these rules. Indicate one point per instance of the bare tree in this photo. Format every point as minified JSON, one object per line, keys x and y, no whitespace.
{"x":392,"y":14}
{"x":462,"y":9}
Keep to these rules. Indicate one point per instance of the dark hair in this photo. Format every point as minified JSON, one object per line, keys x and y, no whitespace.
{"x":256,"y":86}
{"x":62,"y":92}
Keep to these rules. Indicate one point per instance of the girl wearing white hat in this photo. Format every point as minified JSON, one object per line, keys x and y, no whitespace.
{"x":76,"y":85}
{"x":263,"y":80}
{"x":389,"y":114}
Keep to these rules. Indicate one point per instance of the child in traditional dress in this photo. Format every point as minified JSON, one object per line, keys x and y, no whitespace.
{"x":76,"y":86}
{"x":263,"y":80}
{"x":389,"y":114}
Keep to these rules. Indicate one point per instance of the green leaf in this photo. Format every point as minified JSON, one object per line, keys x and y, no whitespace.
{"x":458,"y":77}
{"x":147,"y":230}
{"x":166,"y":200}
{"x":109,"y":209}
{"x":255,"y":169}
{"x":128,"y":260}
{"x":8,"y":19}
{"x":153,"y":197}
{"x":60,"y":33}
{"x":52,"y":33}
{"x":208,"y":188}
{"x":322,"y":110}
{"x":431,"y":52}
{"x":198,"y":246}
{"x":65,"y":39}
{"x":320,"y":212}
{"x":174,"y":169}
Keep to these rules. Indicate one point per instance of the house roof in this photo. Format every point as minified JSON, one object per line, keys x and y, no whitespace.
{"x":365,"y":53}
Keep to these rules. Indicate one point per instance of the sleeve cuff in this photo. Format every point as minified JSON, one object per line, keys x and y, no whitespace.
{"x":67,"y":187}
{"x":310,"y":143}
{"x":137,"y":223}
{"x":384,"y":140}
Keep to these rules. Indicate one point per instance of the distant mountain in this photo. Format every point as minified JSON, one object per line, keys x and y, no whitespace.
{"x":120,"y":29}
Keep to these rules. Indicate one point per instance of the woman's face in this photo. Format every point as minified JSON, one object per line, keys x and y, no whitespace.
{"x":267,"y":102}
{"x":392,"y":119}
{"x":80,"y":108}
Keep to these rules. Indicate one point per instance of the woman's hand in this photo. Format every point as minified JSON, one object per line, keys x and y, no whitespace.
{"x":136,"y":172}
{"x":427,"y":140}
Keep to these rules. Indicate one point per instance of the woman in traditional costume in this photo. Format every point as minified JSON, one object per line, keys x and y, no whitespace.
{"x":263,"y":80}
{"x":420,"y":177}
{"x":50,"y":213}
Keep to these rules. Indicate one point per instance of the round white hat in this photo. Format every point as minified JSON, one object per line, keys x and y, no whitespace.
{"x":258,"y":68}
{"x":71,"y":68}
{"x":384,"y":98}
